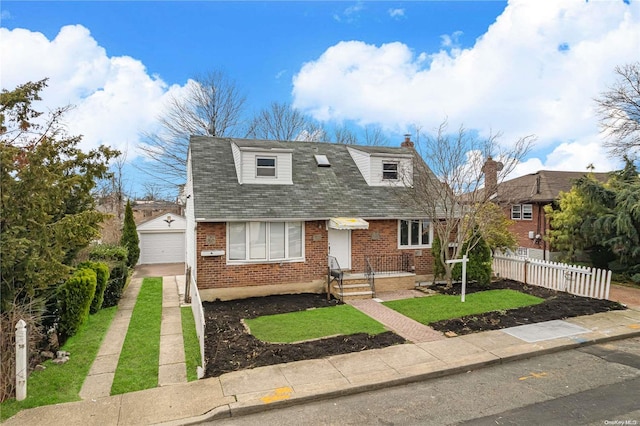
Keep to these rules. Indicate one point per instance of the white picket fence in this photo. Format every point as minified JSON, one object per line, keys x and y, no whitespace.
{"x":578,"y":280}
{"x":198,"y":315}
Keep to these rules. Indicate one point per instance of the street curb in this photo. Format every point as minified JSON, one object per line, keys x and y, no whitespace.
{"x":239,"y":409}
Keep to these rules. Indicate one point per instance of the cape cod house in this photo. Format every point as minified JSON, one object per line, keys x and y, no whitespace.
{"x":269,"y":217}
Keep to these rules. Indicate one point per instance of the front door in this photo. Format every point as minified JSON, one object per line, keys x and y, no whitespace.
{"x":340,"y":247}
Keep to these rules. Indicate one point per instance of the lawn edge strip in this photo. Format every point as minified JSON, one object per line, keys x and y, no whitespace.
{"x":190,"y":342}
{"x":138,"y":364}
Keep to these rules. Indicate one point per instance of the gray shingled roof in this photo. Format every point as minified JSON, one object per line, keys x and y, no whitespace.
{"x":316,"y":193}
{"x":543,"y":186}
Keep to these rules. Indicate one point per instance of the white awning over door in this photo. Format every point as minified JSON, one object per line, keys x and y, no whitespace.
{"x":348,"y":223}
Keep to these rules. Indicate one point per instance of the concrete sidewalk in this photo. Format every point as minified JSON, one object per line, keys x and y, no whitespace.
{"x":258,"y":389}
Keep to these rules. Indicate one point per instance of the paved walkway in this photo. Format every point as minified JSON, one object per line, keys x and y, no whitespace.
{"x":172,"y":367}
{"x":630,"y":296}
{"x":405,"y":327}
{"x":98,"y":382}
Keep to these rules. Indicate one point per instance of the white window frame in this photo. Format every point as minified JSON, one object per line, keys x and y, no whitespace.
{"x":274,"y":167}
{"x":522,"y":212}
{"x":268,"y":259}
{"x":412,"y":246}
{"x":397,"y":170}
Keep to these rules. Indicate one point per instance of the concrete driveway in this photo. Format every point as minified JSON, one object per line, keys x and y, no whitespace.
{"x":159,"y":270}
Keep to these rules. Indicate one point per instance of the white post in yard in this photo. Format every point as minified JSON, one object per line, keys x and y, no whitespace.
{"x":21,"y":360}
{"x":464,"y":261}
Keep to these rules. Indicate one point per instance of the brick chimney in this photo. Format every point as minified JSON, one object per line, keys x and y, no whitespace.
{"x":407,"y":141}
{"x":490,"y":170}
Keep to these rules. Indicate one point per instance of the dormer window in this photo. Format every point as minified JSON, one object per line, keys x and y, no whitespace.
{"x":265,"y":167}
{"x":389,"y":171}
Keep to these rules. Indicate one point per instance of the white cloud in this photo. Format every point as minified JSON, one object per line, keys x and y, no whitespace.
{"x":452,"y":40}
{"x":350,"y":14}
{"x":396,"y":13}
{"x":115,"y":98}
{"x":535,"y":71}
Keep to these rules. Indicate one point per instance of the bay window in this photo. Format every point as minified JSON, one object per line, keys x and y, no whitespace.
{"x":265,"y":241}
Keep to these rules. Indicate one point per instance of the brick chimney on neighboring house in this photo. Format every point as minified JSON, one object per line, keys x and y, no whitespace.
{"x":490,"y":170}
{"x":407,"y":141}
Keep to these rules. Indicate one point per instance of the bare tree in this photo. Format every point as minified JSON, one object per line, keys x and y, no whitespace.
{"x":451,"y":190}
{"x":212,"y":106}
{"x":374,"y":135}
{"x":281,"y":121}
{"x":619,"y":111}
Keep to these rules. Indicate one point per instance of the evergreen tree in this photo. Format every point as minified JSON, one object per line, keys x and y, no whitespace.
{"x":130,"y":238}
{"x":46,"y":202}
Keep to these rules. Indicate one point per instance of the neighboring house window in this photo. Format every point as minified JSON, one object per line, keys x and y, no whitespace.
{"x":414,"y":233}
{"x":264,"y":241}
{"x":265,"y":167}
{"x":522,"y":252}
{"x":522,"y":212}
{"x":389,"y":171}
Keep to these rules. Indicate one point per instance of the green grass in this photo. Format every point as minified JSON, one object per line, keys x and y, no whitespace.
{"x":138,"y":364}
{"x":62,"y":383}
{"x":441,"y":307}
{"x":191,"y":343}
{"x":313,"y":324}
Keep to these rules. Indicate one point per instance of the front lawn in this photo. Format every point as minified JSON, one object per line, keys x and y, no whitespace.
{"x":313,"y":324}
{"x":441,"y":307}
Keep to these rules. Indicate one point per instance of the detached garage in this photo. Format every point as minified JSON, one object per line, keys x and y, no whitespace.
{"x":162,"y":239}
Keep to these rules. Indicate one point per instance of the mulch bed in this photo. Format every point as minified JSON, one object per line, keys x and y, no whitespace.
{"x":228,"y":346}
{"x":557,"y":305}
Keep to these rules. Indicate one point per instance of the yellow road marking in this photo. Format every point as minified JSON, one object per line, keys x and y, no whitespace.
{"x":634,"y":326}
{"x":277,"y":395}
{"x":534,"y":376}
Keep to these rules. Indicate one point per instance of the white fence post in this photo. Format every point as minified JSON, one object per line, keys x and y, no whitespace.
{"x":21,"y":360}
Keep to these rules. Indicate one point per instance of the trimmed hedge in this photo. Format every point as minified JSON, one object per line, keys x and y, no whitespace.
{"x":115,"y":257}
{"x":108,"y":252}
{"x":102,"y":273}
{"x":117,"y":280}
{"x":74,"y":300}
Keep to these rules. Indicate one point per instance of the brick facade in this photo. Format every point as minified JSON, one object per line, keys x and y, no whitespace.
{"x":381,"y":238}
{"x":537,"y":224}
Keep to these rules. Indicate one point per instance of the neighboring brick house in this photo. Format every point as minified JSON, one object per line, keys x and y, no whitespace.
{"x":524,"y":199}
{"x":263,"y":216}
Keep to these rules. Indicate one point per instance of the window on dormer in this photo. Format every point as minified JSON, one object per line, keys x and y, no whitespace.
{"x":389,"y":171}
{"x":265,"y":167}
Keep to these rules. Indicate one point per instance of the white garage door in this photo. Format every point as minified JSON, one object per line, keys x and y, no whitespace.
{"x":161,"y":247}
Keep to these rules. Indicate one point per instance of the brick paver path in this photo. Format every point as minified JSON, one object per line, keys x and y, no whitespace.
{"x":405,"y":327}
{"x":630,"y":296}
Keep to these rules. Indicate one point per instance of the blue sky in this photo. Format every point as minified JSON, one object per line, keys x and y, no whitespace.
{"x":520,"y":67}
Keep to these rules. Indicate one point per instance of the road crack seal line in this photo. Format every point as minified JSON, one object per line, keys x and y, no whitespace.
{"x":278,"y":394}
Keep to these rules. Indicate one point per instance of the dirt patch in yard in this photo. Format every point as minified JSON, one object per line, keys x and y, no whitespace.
{"x":228,"y":346}
{"x":557,"y":305}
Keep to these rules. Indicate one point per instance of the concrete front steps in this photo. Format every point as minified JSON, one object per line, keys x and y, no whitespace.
{"x":356,"y":286}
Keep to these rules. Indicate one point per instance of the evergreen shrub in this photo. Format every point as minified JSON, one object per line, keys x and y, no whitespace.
{"x":74,"y":300}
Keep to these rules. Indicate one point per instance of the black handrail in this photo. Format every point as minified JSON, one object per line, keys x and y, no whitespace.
{"x":370,"y":273}
{"x":390,"y":263}
{"x":334,"y":274}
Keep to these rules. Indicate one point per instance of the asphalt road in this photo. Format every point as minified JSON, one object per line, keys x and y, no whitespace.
{"x":594,"y":385}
